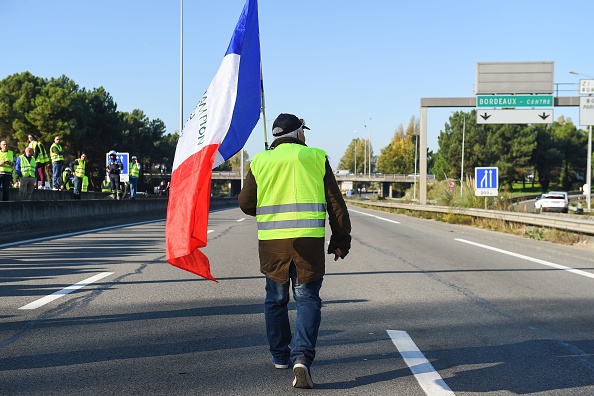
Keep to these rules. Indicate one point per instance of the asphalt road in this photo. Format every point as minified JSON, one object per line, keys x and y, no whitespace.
{"x":491,"y":313}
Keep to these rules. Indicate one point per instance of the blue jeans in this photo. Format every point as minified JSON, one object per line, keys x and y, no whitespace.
{"x":56,"y":174}
{"x":133,"y":186}
{"x":77,"y":186}
{"x":278,"y":328}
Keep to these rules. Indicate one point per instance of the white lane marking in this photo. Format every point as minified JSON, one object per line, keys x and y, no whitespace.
{"x":424,"y":373}
{"x":534,"y":260}
{"x":47,"y":299}
{"x":242,"y":219}
{"x":377,"y":217}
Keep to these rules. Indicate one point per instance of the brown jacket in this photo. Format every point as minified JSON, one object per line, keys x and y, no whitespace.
{"x":307,"y":253}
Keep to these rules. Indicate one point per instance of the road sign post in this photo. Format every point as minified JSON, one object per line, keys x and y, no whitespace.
{"x":486,"y":181}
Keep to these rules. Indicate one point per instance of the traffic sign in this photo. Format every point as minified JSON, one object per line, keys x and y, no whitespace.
{"x":486,"y":181}
{"x":509,"y":116}
{"x":586,"y":87}
{"x":587,"y":110}
{"x":515,"y":101}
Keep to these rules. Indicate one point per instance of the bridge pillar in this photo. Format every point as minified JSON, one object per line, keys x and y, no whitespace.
{"x":386,"y":189}
{"x":235,"y":188}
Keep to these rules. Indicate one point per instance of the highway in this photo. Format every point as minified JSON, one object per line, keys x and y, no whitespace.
{"x":418,"y":307}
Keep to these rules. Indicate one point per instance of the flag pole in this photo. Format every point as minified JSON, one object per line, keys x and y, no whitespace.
{"x":263,"y":105}
{"x":181,"y":65}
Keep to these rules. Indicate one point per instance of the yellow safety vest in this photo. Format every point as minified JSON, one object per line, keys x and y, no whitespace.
{"x":59,"y":156}
{"x":39,"y":149}
{"x":79,"y":168}
{"x":133,"y":169}
{"x":291,"y":198}
{"x":105,"y":186}
{"x":65,"y":180}
{"x":6,"y":156}
{"x":27,"y":167}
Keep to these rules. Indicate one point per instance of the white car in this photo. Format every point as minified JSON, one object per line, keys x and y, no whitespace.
{"x":553,"y":201}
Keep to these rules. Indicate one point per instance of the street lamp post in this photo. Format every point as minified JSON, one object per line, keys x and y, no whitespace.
{"x":355,"y":172}
{"x":462,"y":166}
{"x":369,"y":147}
{"x":364,"y":152}
{"x":415,"y":174}
{"x":588,"y":191}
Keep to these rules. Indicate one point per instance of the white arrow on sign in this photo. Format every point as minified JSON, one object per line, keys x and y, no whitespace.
{"x":507,"y":116}
{"x":487,"y":182}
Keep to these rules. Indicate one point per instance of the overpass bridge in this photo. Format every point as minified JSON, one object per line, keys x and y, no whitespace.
{"x":384,"y":180}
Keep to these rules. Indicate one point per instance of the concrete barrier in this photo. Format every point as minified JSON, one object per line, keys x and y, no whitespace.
{"x":30,"y":219}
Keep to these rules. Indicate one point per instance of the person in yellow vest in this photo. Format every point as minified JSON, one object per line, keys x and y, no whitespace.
{"x":6,"y":168}
{"x":106,"y":185}
{"x":26,"y":168}
{"x":133,"y":173}
{"x":79,"y":166}
{"x":67,"y":179}
{"x":41,"y":158}
{"x":57,"y":157}
{"x":289,"y":189}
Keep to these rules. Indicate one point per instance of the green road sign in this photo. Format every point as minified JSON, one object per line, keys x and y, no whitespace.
{"x":515,"y":101}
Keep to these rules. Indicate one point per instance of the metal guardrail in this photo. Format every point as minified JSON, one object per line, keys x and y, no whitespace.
{"x":583,"y":226}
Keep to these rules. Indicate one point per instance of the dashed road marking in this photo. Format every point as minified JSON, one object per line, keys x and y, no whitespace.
{"x":377,"y":217}
{"x":47,"y":299}
{"x":528,"y":258}
{"x":424,"y":373}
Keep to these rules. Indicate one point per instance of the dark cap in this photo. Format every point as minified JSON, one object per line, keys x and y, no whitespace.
{"x":287,"y":123}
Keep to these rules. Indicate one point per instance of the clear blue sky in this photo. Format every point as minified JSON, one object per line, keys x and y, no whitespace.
{"x":341,"y":65}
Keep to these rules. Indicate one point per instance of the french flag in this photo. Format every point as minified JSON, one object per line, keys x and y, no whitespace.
{"x":217,"y":129}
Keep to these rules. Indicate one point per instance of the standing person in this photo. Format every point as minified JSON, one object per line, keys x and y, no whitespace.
{"x":26,"y":168}
{"x":57,"y":157}
{"x":134,"y":172}
{"x":289,"y":189}
{"x":6,"y":167}
{"x":80,"y":168}
{"x":114,"y":168}
{"x":41,"y":158}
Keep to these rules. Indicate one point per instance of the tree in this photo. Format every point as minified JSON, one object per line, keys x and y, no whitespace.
{"x":17,"y":100}
{"x":546,"y":156}
{"x":573,"y":151}
{"x":399,"y":156}
{"x":511,"y":148}
{"x":347,"y":162}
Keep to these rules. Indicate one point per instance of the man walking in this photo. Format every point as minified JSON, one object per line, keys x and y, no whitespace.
{"x":26,"y":166}
{"x":6,"y":167}
{"x":57,"y":157}
{"x":289,"y":189}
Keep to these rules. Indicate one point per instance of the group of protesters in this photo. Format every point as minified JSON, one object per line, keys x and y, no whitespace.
{"x":32,"y":168}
